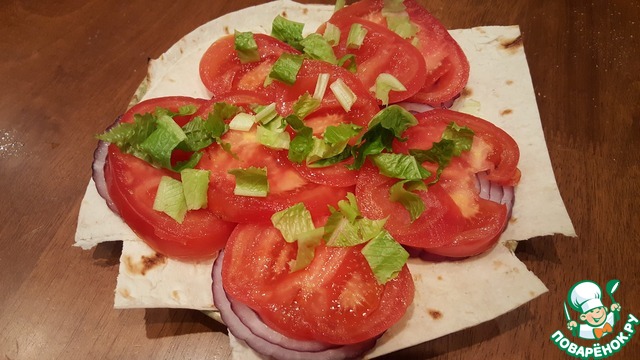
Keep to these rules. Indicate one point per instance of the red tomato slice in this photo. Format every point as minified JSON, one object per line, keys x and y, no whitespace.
{"x":457,"y":222}
{"x":330,"y":113}
{"x":493,"y":149}
{"x":447,"y":65}
{"x":221,"y":70}
{"x":335,"y":299}
{"x":286,"y":186}
{"x":132,"y":184}
{"x":382,"y":51}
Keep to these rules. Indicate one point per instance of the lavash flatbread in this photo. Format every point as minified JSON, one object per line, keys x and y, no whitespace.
{"x":447,"y":294}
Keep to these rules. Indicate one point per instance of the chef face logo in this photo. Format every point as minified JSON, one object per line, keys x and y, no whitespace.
{"x":592,"y":320}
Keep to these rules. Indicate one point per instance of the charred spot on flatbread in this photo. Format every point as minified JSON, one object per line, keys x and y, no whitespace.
{"x":512,"y":45}
{"x":506,"y":112}
{"x":466,"y":92}
{"x":509,"y":82}
{"x":144,"y":264}
{"x":226,"y":30}
{"x":435,"y":314}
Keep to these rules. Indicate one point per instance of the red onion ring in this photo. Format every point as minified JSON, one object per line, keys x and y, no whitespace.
{"x":97,"y":169}
{"x":284,"y":349}
{"x":415,"y":108}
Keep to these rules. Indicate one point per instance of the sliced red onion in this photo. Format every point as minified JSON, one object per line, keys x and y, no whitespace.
{"x":285,"y":347}
{"x":495,"y":192}
{"x":415,"y":108}
{"x":97,"y":167}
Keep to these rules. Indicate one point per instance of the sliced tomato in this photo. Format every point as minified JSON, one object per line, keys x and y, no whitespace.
{"x":286,"y":186}
{"x":493,"y":149}
{"x":221,"y":71}
{"x":382,"y":51}
{"x":330,"y":113}
{"x":446,"y":64}
{"x":132,"y":184}
{"x":456,"y":222}
{"x":335,"y":299}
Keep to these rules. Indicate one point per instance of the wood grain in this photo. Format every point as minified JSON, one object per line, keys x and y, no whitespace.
{"x":68,"y":68}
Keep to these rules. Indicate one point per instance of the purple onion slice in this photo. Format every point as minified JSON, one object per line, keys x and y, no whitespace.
{"x":97,"y":167}
{"x":284,"y":348}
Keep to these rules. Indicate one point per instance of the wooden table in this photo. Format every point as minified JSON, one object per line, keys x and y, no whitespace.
{"x":69,"y":67}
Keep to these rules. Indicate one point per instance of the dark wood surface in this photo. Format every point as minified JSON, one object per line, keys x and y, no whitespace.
{"x":69,"y":67}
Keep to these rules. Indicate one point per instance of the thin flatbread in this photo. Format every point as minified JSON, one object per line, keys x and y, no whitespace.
{"x":448,"y":294}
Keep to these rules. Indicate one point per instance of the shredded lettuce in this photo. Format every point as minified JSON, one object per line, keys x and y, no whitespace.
{"x":385,"y":257}
{"x":339,"y":5}
{"x":315,"y":46}
{"x":402,"y":192}
{"x":321,"y":86}
{"x":455,"y":140}
{"x":384,"y":84}
{"x":332,"y":34}
{"x":288,"y":31}
{"x":251,"y":182}
{"x":356,"y":36}
{"x":195,"y":183}
{"x":286,"y":68}
{"x":170,"y":199}
{"x":305,"y":105}
{"x":400,"y":166}
{"x":242,"y":122}
{"x":307,"y":243}
{"x":293,"y":221}
{"x":246,"y":47}
{"x":345,"y":96}
{"x":387,"y":125}
{"x":272,"y":138}
{"x":163,"y":140}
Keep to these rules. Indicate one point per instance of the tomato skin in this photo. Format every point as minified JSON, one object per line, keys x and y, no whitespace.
{"x":335,"y":299}
{"x":446,"y":63}
{"x":503,"y":155}
{"x":221,"y":70}
{"x":382,"y":51}
{"x":132,"y":184}
{"x":457,"y":222}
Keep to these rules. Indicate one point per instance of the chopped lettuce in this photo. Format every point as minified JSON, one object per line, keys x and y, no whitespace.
{"x":170,"y":199}
{"x":400,"y":166}
{"x":345,"y":96}
{"x":455,"y":140}
{"x":288,"y":31}
{"x":384,"y":84}
{"x":195,"y":183}
{"x":385,"y":257}
{"x":293,"y":221}
{"x":251,"y":182}
{"x":273,"y":139}
{"x":315,"y":46}
{"x":246,"y":47}
{"x":387,"y":125}
{"x":321,"y":86}
{"x":356,"y":36}
{"x":286,"y":68}
{"x":332,"y":34}
{"x":305,"y":105}
{"x":405,"y":196}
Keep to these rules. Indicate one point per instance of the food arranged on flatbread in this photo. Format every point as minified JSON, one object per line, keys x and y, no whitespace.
{"x":315,"y":169}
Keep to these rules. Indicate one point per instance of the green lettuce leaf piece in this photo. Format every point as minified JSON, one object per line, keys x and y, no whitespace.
{"x":251,"y":182}
{"x":293,"y":221}
{"x":305,"y":105}
{"x":302,"y":143}
{"x":315,"y":46}
{"x":332,"y":34}
{"x":161,"y":143}
{"x":401,"y":24}
{"x":339,"y":134}
{"x":272,"y":138}
{"x":384,"y":84}
{"x":339,"y":5}
{"x":307,"y":243}
{"x":345,"y":96}
{"x":400,"y":166}
{"x":356,"y":36}
{"x":385,"y":257}
{"x":195,"y":183}
{"x":405,"y":196}
{"x":286,"y":68}
{"x":389,"y":124}
{"x":170,"y":199}
{"x":454,"y":141}
{"x":246,"y":47}
{"x":348,"y":62}
{"x":288,"y":31}
{"x":340,"y":232}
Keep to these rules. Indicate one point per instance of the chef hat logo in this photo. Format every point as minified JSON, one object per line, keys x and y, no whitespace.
{"x":585,"y":296}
